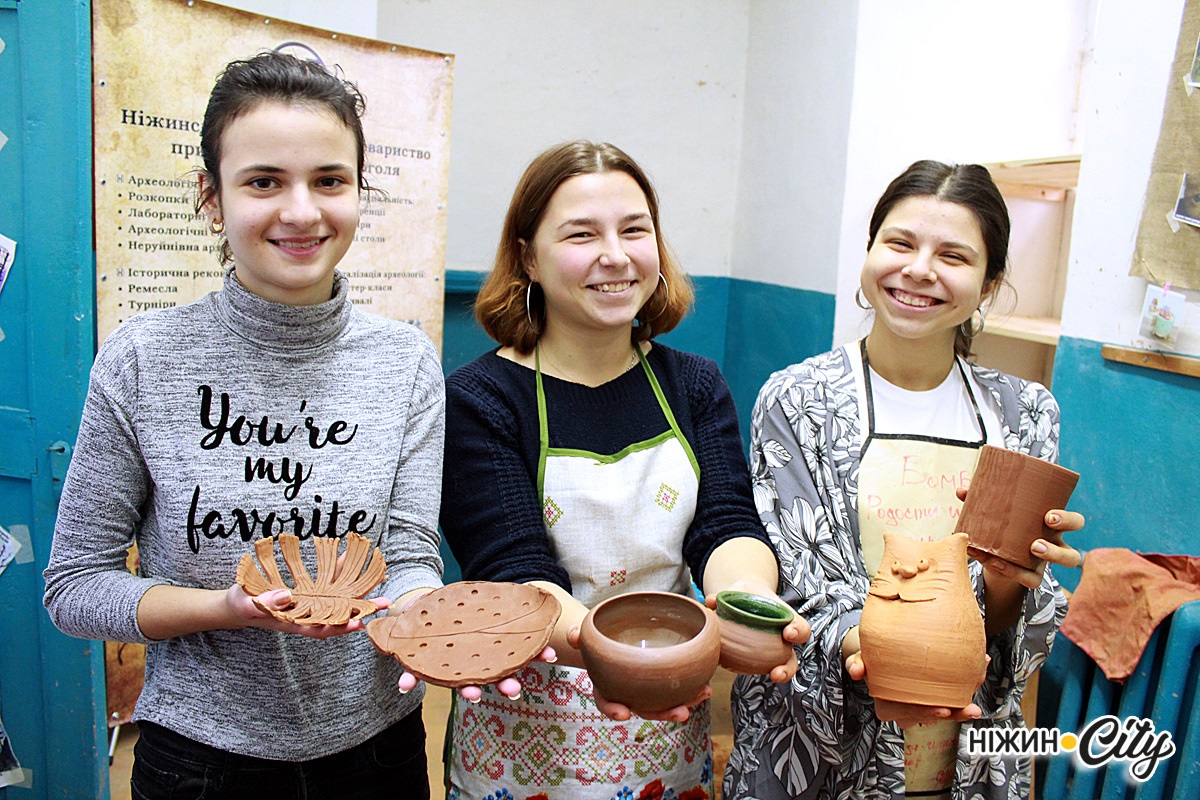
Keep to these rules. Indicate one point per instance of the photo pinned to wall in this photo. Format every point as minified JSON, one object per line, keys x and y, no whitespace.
{"x":1192,"y":79}
{"x":8,"y":252}
{"x":8,"y":549}
{"x":1187,"y":204}
{"x":1163,"y":317}
{"x":11,"y":773}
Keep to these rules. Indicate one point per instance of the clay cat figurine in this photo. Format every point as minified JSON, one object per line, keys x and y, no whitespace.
{"x":921,"y":633}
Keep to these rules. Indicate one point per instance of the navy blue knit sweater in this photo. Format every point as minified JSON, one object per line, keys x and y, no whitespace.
{"x":491,"y":513}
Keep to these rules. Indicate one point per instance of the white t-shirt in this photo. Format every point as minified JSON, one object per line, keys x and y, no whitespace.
{"x":945,"y":411}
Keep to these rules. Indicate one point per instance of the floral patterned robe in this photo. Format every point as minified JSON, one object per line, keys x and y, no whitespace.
{"x":817,"y":736}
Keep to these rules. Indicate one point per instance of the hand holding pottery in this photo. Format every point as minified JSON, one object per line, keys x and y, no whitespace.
{"x":650,"y":651}
{"x":335,"y":598}
{"x":921,"y":633}
{"x":1005,"y":510}
{"x":469,"y":633}
{"x":752,"y":628}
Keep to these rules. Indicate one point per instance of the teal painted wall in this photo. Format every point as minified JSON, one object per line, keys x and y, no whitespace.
{"x":1131,"y":433}
{"x":768,"y":328}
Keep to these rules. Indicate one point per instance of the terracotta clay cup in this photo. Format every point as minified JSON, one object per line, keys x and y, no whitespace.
{"x":650,"y":651}
{"x":921,"y":633}
{"x":752,"y":632}
{"x":1006,"y":505}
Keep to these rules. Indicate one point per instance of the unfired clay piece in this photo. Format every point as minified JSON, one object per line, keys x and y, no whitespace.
{"x":650,"y":651}
{"x":921,"y":632}
{"x":469,"y":633}
{"x":752,"y":626}
{"x":1006,"y":505}
{"x":325,"y":601}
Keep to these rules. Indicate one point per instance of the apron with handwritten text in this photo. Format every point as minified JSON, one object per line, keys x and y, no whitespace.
{"x":906,"y":485}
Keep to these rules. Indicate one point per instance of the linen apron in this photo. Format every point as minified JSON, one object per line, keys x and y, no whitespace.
{"x":617,"y":524}
{"x":906,"y":484}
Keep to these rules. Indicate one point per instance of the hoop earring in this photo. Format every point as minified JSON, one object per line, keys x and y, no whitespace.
{"x":661,"y":279}
{"x":217,"y":226}
{"x":978,"y":311}
{"x":537,"y":331}
{"x":860,"y":299}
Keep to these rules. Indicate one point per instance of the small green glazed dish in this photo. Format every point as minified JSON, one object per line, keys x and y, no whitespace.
{"x":753,"y":611}
{"x":752,"y":626}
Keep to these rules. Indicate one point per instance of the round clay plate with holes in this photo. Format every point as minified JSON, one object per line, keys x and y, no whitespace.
{"x":469,"y":633}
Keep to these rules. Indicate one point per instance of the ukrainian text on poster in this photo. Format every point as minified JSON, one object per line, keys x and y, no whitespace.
{"x":155,"y":63}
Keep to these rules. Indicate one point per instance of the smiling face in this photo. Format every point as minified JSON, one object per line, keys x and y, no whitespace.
{"x":289,"y":199}
{"x":924,"y":273}
{"x":595,"y":254}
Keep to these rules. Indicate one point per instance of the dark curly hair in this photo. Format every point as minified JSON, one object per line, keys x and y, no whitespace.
{"x":278,"y":77}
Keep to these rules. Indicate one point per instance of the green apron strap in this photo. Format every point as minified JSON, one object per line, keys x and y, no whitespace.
{"x":543,"y":426}
{"x":666,"y":409}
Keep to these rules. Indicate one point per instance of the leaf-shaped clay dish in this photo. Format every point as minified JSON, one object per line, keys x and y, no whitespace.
{"x":469,"y":633}
{"x":325,"y":601}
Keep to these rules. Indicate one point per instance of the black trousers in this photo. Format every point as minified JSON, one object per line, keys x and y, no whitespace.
{"x":168,"y":766}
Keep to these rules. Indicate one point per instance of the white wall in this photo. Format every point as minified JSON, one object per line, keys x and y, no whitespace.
{"x":663,"y":80}
{"x":771,"y":126}
{"x":800,"y":69}
{"x":1122,"y":105}
{"x":953,"y":80}
{"x":356,"y":17}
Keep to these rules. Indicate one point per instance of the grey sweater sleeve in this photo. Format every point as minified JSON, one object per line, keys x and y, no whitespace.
{"x":414,"y":560}
{"x":101,"y":509}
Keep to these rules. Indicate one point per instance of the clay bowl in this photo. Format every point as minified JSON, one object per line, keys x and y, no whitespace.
{"x":650,"y":651}
{"x":752,"y":632}
{"x":1005,"y":509}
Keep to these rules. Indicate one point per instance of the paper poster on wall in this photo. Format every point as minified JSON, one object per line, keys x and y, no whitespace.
{"x":1192,"y":79}
{"x":8,"y":254}
{"x":11,"y":773}
{"x":8,"y":549}
{"x":155,"y":62}
{"x":1167,"y":251}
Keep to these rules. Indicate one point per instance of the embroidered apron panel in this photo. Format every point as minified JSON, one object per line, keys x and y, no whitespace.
{"x":617,"y":524}
{"x":554,"y":743}
{"x":906,"y":484}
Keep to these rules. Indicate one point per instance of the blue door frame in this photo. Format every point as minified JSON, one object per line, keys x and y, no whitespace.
{"x":51,"y":686}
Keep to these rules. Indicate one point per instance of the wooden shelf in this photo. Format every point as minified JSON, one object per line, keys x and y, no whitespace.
{"x":1036,"y":179}
{"x":1043,"y":330}
{"x":1167,"y":362}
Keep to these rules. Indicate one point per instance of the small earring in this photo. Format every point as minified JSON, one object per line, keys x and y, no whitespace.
{"x":860,"y":299}
{"x":528,"y":309}
{"x":217,"y":226}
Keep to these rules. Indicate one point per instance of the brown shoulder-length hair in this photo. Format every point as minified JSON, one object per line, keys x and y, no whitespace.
{"x":970,"y":186}
{"x":514,"y":314}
